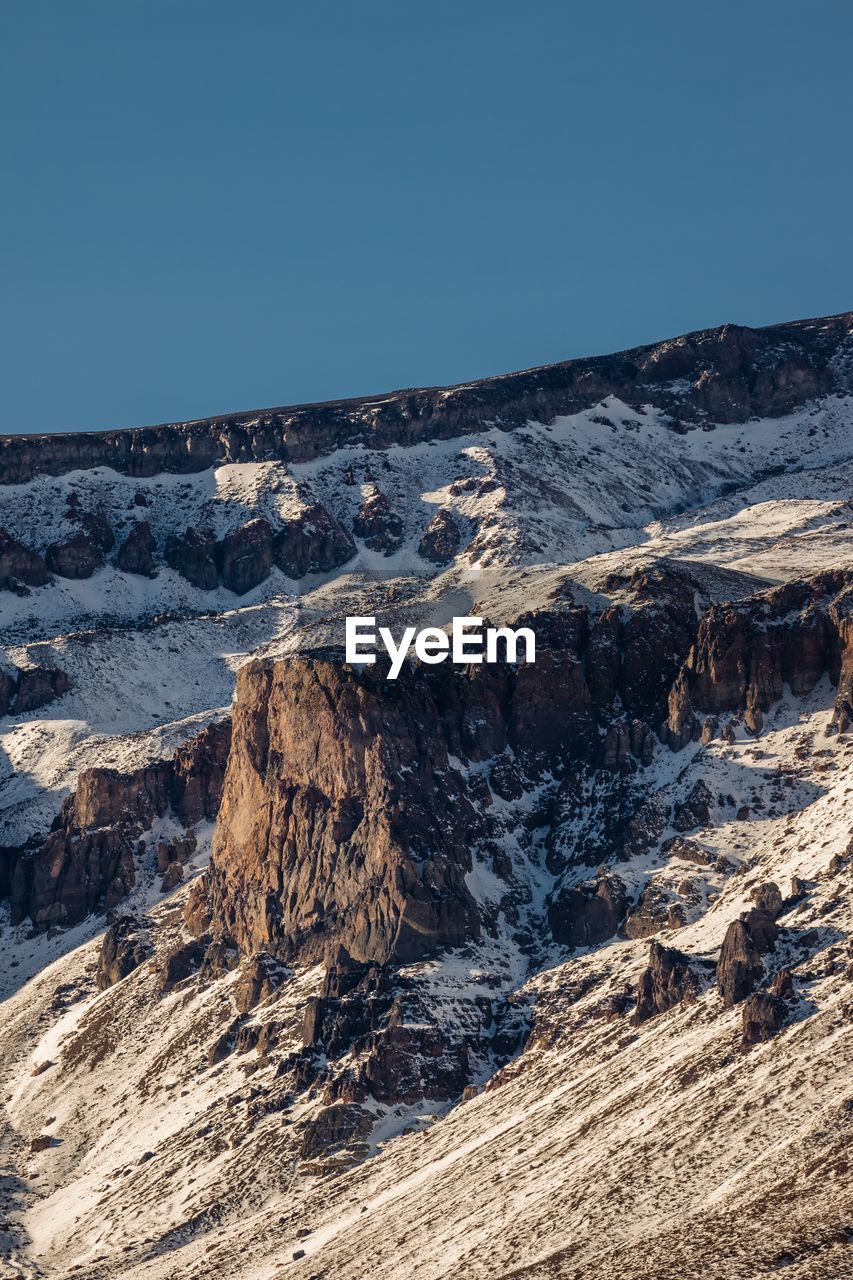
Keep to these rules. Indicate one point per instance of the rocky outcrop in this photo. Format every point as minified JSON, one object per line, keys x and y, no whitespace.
{"x":625,"y":744}
{"x":78,"y":557}
{"x":841,"y":616}
{"x":747,"y":940}
{"x":668,"y":980}
{"x":655,"y":910}
{"x":312,"y":542}
{"x":729,"y":374}
{"x":441,"y":539}
{"x":28,"y":688}
{"x":695,"y":810}
{"x":745,"y":653}
{"x":258,"y":979}
{"x":193,"y":556}
{"x":636,"y":648}
{"x":589,"y":913}
{"x":87,"y":862}
{"x":763,"y":1016}
{"x":342,"y":821}
{"x":377,"y":523}
{"x":245,"y":556}
{"x":136,"y":553}
{"x":127,"y":944}
{"x":20,"y":566}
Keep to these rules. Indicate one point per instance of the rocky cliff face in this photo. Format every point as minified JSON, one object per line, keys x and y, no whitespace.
{"x":728,"y":374}
{"x":88,"y":862}
{"x":20,"y":567}
{"x":343,"y":821}
{"x":746,"y":653}
{"x":28,"y":688}
{"x":346,"y":824}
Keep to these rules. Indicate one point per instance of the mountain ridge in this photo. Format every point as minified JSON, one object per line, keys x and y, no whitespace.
{"x":297,"y":433}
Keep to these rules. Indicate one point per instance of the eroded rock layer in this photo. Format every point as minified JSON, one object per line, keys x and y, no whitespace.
{"x":87,"y":862}
{"x":731,"y":374}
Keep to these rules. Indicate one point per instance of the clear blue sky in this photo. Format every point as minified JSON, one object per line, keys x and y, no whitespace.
{"x":212,"y":206}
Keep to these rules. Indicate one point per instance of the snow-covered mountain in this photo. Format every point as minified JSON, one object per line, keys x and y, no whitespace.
{"x":491,"y":972}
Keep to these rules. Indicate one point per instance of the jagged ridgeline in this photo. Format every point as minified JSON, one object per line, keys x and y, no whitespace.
{"x":537,"y":969}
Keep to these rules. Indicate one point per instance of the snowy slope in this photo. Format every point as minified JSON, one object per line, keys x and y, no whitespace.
{"x":605,"y":1149}
{"x":594,"y":492}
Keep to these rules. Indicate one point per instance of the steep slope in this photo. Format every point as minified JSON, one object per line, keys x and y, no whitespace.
{"x":494,"y":971}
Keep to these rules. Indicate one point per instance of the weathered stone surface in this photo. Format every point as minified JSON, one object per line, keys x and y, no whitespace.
{"x":181,"y":962}
{"x":731,"y":374}
{"x":27,"y":688}
{"x":740,"y":967}
{"x":20,"y":565}
{"x":588,"y":913}
{"x":378,"y":524}
{"x":136,"y":553}
{"x":173,"y":876}
{"x":695,"y":810}
{"x":127,"y":944}
{"x":193,"y":556}
{"x":668,"y":980}
{"x":341,"y":1125}
{"x":654,"y":911}
{"x":341,"y":820}
{"x":245,"y":556}
{"x":258,"y":978}
{"x":441,"y":539}
{"x":768,"y":897}
{"x":312,"y":542}
{"x":625,"y":744}
{"x":763,"y":1016}
{"x":745,"y":653}
{"x":87,"y":862}
{"x":78,"y":557}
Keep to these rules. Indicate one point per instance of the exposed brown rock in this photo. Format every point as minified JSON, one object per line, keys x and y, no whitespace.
{"x":180,"y":962}
{"x":312,"y":542}
{"x":127,"y":944}
{"x":763,"y":1016}
{"x":27,"y":688}
{"x":667,"y":981}
{"x":341,"y":1125}
{"x":624,"y":744}
{"x":173,"y":876}
{"x":136,"y":553}
{"x":19,"y":565}
{"x":193,"y":556}
{"x":258,"y":979}
{"x":377,"y":524}
{"x":654,"y":911}
{"x":588,"y":913}
{"x":341,"y":820}
{"x":731,"y":374}
{"x":87,"y":862}
{"x":78,"y":557}
{"x":245,"y":556}
{"x":745,"y":653}
{"x":740,"y":965}
{"x":441,"y":539}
